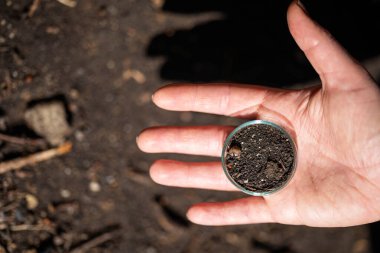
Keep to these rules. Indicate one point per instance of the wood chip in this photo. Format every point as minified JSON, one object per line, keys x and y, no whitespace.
{"x":31,"y":201}
{"x":134,"y":74}
{"x":94,"y":242}
{"x":33,"y":7}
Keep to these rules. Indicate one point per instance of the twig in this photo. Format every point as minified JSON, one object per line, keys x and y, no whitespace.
{"x":94,"y":242}
{"x":19,"y":163}
{"x":9,"y":207}
{"x":21,"y":141}
{"x":33,"y":8}
{"x":26,"y":227}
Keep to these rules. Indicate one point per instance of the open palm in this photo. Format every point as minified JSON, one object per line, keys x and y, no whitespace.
{"x":336,"y":128}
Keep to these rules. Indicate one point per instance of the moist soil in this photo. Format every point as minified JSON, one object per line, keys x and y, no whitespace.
{"x":260,"y":158}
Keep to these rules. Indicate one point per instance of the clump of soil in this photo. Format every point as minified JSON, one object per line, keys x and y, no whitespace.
{"x":260,"y":158}
{"x":49,"y":120}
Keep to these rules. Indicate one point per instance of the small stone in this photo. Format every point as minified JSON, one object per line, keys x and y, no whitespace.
{"x":12,"y":35}
{"x":31,"y":201}
{"x":79,"y":135}
{"x":58,"y":240}
{"x":65,"y":193}
{"x":94,"y":186}
{"x":69,"y":3}
{"x":52,"y":30}
{"x":234,"y":151}
{"x":67,"y":171}
{"x":74,"y":94}
{"x":134,"y":74}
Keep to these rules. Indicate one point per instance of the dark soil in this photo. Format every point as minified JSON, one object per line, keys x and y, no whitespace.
{"x":260,"y":158}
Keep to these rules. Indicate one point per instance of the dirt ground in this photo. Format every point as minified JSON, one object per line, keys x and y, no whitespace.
{"x":102,"y":60}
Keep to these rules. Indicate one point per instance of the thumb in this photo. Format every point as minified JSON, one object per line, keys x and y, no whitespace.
{"x":336,"y":68}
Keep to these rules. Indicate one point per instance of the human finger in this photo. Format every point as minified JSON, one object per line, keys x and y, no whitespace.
{"x":204,"y":175}
{"x":195,"y":140}
{"x":242,"y":211}
{"x":227,"y":99}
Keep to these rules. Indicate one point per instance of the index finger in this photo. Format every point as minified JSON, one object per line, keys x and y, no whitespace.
{"x":225,"y":99}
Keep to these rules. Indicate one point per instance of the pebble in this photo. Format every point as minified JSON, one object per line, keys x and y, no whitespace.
{"x":134,"y":74}
{"x":67,"y":171}
{"x":74,"y":94}
{"x":235,"y":151}
{"x":31,"y":201}
{"x":79,"y":136}
{"x":65,"y":193}
{"x":58,"y":241}
{"x":94,"y":186}
{"x":52,"y":30}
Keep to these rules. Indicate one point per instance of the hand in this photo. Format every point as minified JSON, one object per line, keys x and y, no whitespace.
{"x":337,"y":131}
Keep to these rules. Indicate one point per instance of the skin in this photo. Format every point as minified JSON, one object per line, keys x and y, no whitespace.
{"x":336,"y":127}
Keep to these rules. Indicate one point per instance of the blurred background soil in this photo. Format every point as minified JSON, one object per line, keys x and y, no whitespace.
{"x":100,"y":61}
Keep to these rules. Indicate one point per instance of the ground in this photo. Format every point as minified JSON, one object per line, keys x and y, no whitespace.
{"x":102,"y":60}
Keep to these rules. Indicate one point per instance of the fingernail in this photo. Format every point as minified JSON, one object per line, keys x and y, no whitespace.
{"x":302,"y":6}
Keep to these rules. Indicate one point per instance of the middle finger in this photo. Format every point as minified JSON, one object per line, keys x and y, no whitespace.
{"x":195,"y":140}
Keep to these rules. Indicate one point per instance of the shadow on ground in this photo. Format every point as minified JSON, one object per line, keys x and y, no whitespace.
{"x":251,"y":43}
{"x":374,"y":229}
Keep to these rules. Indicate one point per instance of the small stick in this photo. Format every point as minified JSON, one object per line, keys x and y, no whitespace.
{"x":21,"y":141}
{"x":25,"y":227}
{"x":94,"y":242}
{"x":19,"y":163}
{"x":33,"y":8}
{"x":9,"y":207}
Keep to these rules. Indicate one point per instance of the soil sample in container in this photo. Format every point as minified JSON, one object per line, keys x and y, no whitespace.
{"x":259,"y":157}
